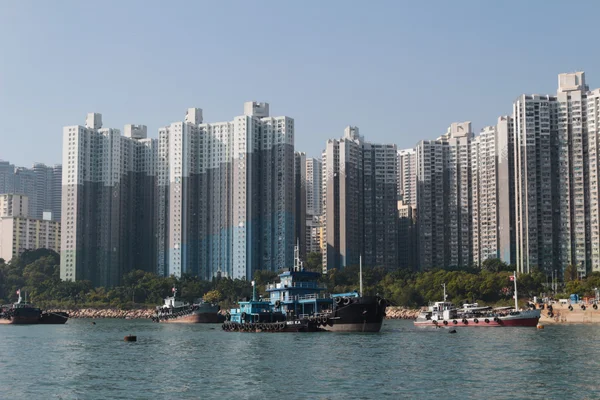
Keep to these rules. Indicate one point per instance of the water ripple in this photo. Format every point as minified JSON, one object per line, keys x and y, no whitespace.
{"x":85,"y":361}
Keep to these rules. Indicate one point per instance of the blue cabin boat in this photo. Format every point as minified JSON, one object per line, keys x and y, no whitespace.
{"x":298,"y":294}
{"x":299,"y":303}
{"x":258,"y":315}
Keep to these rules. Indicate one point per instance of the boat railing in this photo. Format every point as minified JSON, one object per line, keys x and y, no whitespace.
{"x":311,"y":296}
{"x":302,"y":285}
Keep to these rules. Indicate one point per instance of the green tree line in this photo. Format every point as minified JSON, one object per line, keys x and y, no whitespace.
{"x":38,"y":273}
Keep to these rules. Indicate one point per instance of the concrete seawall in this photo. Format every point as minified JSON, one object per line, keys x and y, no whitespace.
{"x":562,"y":315}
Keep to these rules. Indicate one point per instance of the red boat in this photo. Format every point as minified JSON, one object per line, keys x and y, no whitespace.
{"x":445,"y":314}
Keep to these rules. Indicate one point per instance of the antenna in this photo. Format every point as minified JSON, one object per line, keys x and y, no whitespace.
{"x":360,"y":273}
{"x":515,"y":279}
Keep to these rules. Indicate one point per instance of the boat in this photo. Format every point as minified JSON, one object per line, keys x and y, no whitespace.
{"x":299,"y":297}
{"x":175,"y":311}
{"x":53,"y":317}
{"x":260,"y":315}
{"x":23,"y":312}
{"x":444,"y":313}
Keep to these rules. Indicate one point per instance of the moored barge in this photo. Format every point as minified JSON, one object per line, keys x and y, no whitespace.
{"x":175,"y":311}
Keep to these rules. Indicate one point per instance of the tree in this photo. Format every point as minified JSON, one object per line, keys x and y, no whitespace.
{"x":314,"y":262}
{"x":494,"y":265}
{"x":570,"y":273}
{"x":214,"y":296}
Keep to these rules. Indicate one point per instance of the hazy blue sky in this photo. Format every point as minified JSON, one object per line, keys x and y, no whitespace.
{"x":400,"y":70}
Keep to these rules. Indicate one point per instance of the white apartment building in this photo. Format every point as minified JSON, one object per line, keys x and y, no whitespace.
{"x":314,"y":184}
{"x":444,"y":198}
{"x":226,"y":194}
{"x":491,"y":183}
{"x":431,"y":200}
{"x":458,"y":213}
{"x":593,"y":134}
{"x":573,"y":190}
{"x":107,"y":208}
{"x":407,"y":176}
{"x":360,"y":210}
{"x":534,"y":127}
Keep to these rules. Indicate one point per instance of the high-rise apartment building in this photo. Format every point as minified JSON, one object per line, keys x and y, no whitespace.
{"x":107,"y":209}
{"x":492,"y":184}
{"x":56,"y":199}
{"x":360,"y":210}
{"x":431,"y":201}
{"x":535,"y":143}
{"x":573,"y":175}
{"x":593,"y":142}
{"x":314,"y":187}
{"x":407,"y":176}
{"x":444,"y":198}
{"x":226,"y":194}
{"x":308,"y":186}
{"x":7,"y":177}
{"x":25,"y":184}
{"x":407,"y":236}
{"x":41,"y":185}
{"x":301,"y":204}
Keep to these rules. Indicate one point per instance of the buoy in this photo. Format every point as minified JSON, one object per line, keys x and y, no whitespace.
{"x":93,"y":323}
{"x":452,"y":331}
{"x":130,"y":338}
{"x":540,"y":326}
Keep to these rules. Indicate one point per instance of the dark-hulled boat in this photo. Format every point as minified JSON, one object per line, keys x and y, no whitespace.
{"x":22,"y":313}
{"x":175,"y":311}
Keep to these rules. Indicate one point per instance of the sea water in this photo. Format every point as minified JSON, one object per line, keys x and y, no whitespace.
{"x":83,"y":360}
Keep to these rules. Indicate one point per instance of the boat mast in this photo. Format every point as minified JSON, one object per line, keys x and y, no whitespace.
{"x":253,"y":291}
{"x":515,"y":280}
{"x":360,"y":273}
{"x":444,"y":286}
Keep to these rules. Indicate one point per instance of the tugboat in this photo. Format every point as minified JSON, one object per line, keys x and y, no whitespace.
{"x":179,"y":312}
{"x":258,"y":315}
{"x":298,"y":294}
{"x":23,"y":312}
{"x":443,"y":313}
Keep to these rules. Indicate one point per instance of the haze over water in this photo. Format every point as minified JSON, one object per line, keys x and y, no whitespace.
{"x":85,"y":361}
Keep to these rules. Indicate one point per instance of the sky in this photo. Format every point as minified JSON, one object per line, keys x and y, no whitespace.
{"x":401,"y":71}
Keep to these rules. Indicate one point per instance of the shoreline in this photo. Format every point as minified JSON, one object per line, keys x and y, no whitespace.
{"x":141,"y":313}
{"x":562,"y":315}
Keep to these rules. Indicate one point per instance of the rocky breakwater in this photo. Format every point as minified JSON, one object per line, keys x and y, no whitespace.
{"x":401,"y":313}
{"x":109,"y":313}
